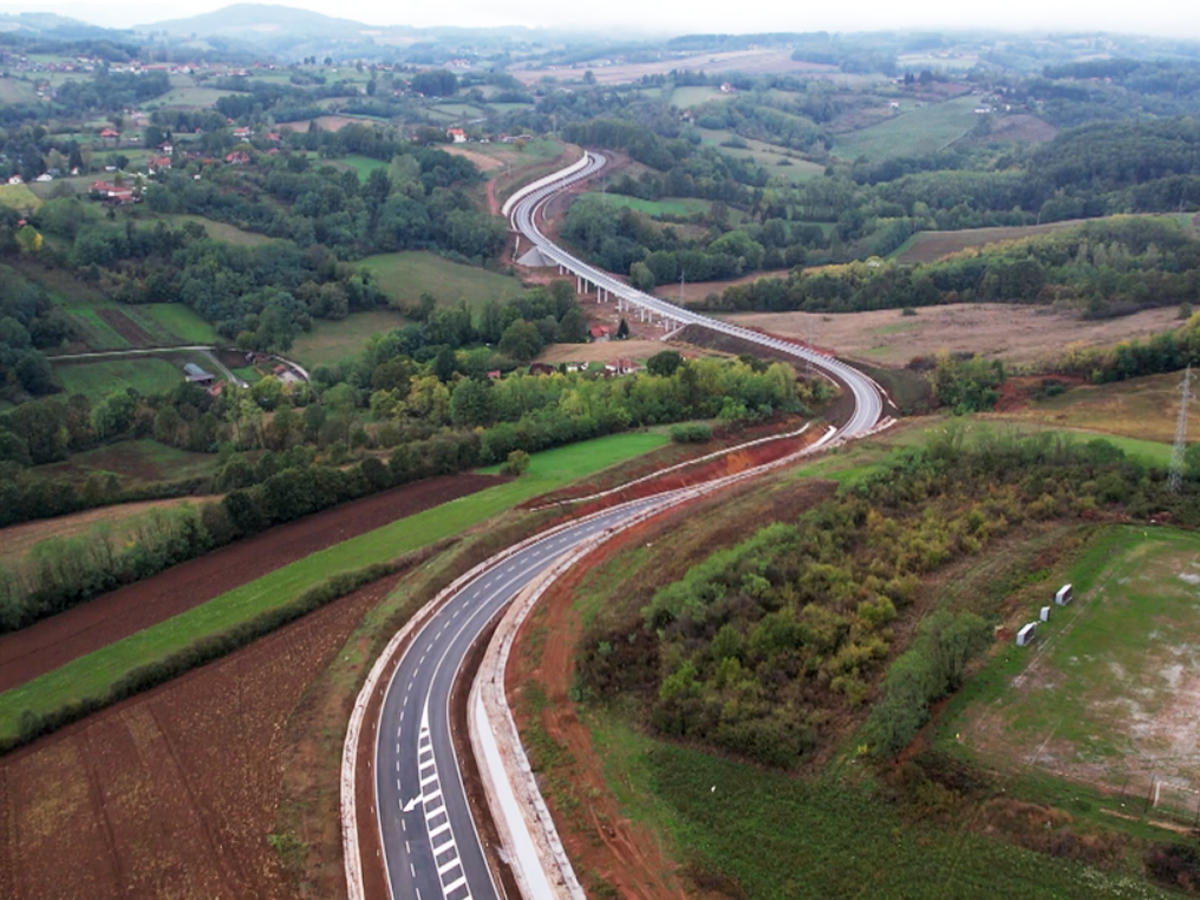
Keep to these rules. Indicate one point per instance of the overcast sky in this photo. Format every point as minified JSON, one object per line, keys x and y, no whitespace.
{"x":1180,"y":18}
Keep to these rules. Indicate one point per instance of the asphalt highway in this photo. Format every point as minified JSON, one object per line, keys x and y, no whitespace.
{"x":523,"y":214}
{"x":431,"y":848}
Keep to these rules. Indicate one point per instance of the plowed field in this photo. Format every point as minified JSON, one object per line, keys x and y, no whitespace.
{"x":172,"y":793}
{"x":53,"y":642}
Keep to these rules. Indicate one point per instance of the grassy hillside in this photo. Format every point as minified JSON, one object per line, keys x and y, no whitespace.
{"x":329,"y":342}
{"x":405,"y":276}
{"x":916,"y":133}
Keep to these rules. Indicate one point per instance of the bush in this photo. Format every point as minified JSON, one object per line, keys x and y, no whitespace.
{"x":517,"y":464}
{"x":691,"y":433}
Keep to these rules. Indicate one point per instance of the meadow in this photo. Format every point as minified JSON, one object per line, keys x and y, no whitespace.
{"x":329,"y":342}
{"x":136,"y":461}
{"x":1106,"y":696}
{"x":218,"y":231}
{"x":780,"y":162}
{"x":405,"y":276}
{"x":94,"y":674}
{"x":685,"y":97}
{"x":917,"y":133}
{"x":1144,"y":407}
{"x":930,"y":246}
{"x":148,"y":375}
{"x":13,"y":90}
{"x":760,"y":834}
{"x":19,"y":197}
{"x":182,"y":322}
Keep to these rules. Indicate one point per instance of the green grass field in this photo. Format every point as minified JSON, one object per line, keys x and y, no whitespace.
{"x":1105,"y":696}
{"x":19,"y":197}
{"x":685,"y":97}
{"x":826,"y":838}
{"x":13,"y":90}
{"x":672,"y":206}
{"x":929,"y":246}
{"x":769,"y":155}
{"x":916,"y":133}
{"x":182,"y":322}
{"x":405,"y":276}
{"x":92,"y":675}
{"x":134,"y":461}
{"x":218,"y":231}
{"x":189,"y":98}
{"x":850,"y":463}
{"x":147,"y":374}
{"x":363,"y":165}
{"x":329,"y":342}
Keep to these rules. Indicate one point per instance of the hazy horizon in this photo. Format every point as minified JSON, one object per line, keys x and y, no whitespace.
{"x":637,"y":20}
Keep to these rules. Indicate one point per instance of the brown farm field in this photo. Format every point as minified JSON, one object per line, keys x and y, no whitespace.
{"x":17,"y":540}
{"x":1015,"y":334}
{"x":173,"y":793}
{"x":53,"y":642}
{"x":603,"y":351}
{"x":482,"y":161}
{"x":327,"y":123}
{"x":750,"y":62}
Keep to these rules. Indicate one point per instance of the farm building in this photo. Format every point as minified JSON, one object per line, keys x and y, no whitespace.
{"x":197,"y":375}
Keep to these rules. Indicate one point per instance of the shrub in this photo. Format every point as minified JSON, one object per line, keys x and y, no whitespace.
{"x":691,"y":433}
{"x":517,"y":464}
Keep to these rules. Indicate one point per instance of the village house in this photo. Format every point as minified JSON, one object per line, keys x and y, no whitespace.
{"x":620,"y":366}
{"x":457,"y":135}
{"x":599,"y":333}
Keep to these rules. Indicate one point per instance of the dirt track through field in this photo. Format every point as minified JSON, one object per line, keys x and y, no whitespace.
{"x":54,"y":642}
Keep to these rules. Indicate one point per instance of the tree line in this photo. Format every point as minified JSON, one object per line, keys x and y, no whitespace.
{"x":437,"y":429}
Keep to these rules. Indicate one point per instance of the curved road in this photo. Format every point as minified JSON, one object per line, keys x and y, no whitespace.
{"x":523,"y":209}
{"x":431,"y":848}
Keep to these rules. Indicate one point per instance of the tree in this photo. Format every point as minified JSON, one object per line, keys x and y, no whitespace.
{"x":664,"y":363}
{"x":521,"y":340}
{"x":623,"y":330}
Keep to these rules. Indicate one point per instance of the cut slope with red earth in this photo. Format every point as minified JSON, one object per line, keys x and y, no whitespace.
{"x":54,"y":642}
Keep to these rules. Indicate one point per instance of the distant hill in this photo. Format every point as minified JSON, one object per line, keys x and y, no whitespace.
{"x":49,"y":25}
{"x":260,"y":23}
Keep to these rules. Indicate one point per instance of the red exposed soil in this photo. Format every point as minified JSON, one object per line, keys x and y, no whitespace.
{"x":729,"y":464}
{"x":126,"y":327}
{"x":118,"y":614}
{"x":1016,"y":393}
{"x":598,"y":838}
{"x":172,"y":793}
